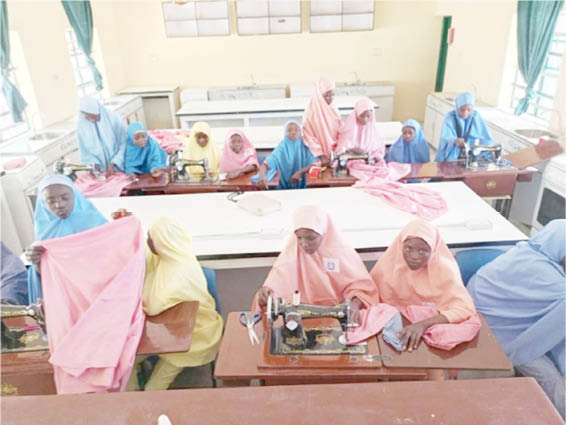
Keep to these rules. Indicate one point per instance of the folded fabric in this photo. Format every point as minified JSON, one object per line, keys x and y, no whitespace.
{"x":111,"y":187}
{"x":170,"y":141}
{"x":372,"y":320}
{"x":391,"y":332}
{"x":391,"y":172}
{"x":444,"y":335}
{"x":269,"y":175}
{"x":424,"y":203}
{"x":92,"y":287}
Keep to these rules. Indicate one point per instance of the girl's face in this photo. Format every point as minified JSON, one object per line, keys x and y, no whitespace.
{"x":308,"y":240}
{"x":293,"y":132}
{"x":364,"y":117}
{"x":416,"y":253}
{"x":140,"y":139}
{"x":465,"y":111}
{"x":59,"y":200}
{"x":408,"y":134}
{"x":91,"y":117}
{"x":202,"y":139}
{"x":329,"y":96}
{"x":236,"y":143}
{"x":151,"y":245}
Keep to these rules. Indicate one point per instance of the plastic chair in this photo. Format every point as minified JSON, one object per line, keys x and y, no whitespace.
{"x":210,"y":275}
{"x":470,"y":260}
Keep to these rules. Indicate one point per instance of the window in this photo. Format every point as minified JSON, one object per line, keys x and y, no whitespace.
{"x":9,"y":128}
{"x":547,"y":84}
{"x":81,"y":69}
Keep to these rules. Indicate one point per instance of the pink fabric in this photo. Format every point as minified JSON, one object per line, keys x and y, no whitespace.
{"x":443,"y":335}
{"x":170,"y":140}
{"x":92,"y":283}
{"x":321,"y":121}
{"x":372,"y":321}
{"x":424,"y":203}
{"x":91,"y":187}
{"x":391,"y":172}
{"x":231,"y":161}
{"x":15,"y":163}
{"x":366,"y":137}
{"x":329,"y":276}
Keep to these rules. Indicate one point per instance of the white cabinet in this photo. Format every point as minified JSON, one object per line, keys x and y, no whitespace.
{"x":341,"y":15}
{"x":196,"y":18}
{"x":435,"y":111}
{"x":244,"y":93}
{"x":268,"y":17}
{"x":160,"y":104}
{"x":129,"y":107}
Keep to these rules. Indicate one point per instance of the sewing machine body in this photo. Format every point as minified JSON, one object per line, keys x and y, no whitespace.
{"x":16,"y":338}
{"x":340,"y":162}
{"x":70,"y":170}
{"x":179,"y":173}
{"x":473,"y":156}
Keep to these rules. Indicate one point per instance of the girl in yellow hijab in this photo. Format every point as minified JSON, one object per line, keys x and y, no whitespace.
{"x":200,"y":145}
{"x":173,"y":275}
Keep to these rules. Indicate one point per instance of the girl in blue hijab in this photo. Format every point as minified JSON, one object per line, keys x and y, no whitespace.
{"x":522,"y":296}
{"x":462,"y":126}
{"x":61,"y":210}
{"x":143,"y":154}
{"x":292,"y":158}
{"x":102,"y":136}
{"x":411,"y":146}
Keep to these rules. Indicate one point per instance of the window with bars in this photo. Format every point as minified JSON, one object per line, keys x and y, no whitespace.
{"x":547,"y":84}
{"x":8,"y":128}
{"x":81,"y":69}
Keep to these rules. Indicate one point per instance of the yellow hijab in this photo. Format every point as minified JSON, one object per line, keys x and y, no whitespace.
{"x":192,"y":150}
{"x":174,"y":276}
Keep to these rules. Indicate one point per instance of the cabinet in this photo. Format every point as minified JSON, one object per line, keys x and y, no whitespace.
{"x":244,"y":93}
{"x":129,"y":107}
{"x":160,"y":104}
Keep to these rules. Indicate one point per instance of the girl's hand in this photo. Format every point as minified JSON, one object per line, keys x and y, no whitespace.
{"x":109,"y":170}
{"x":460,"y":142}
{"x":324,"y":160}
{"x":411,"y":335}
{"x":157,"y":172}
{"x":120,"y":213}
{"x":355,"y":305}
{"x":233,"y":174}
{"x":263,"y":294}
{"x":296,"y":177}
{"x":33,"y":253}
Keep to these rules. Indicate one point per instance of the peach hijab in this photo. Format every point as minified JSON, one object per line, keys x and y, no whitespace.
{"x":438,"y":283}
{"x":331,"y":275}
{"x":321,"y":121}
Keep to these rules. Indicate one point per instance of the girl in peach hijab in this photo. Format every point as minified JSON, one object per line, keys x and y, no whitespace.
{"x":418,"y":275}
{"x":239,"y":155}
{"x":319,"y":263}
{"x":321,"y":121}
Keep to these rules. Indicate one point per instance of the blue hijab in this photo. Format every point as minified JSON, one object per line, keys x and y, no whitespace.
{"x":522,"y":295}
{"x":416,"y":150}
{"x":455,"y":127}
{"x":104,"y":141}
{"x":289,"y":157}
{"x":143,"y":160}
{"x":13,"y":278}
{"x":84,"y":216}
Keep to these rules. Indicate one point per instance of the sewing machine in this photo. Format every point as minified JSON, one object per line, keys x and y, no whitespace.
{"x":473,"y":155}
{"x":23,"y":338}
{"x":179,"y":173}
{"x":341,"y":164}
{"x":70,"y":170}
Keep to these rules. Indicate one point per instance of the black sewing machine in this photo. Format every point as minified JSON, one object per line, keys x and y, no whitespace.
{"x":179,"y":173}
{"x":14,"y":339}
{"x":474,"y":155}
{"x":70,"y":170}
{"x":340,"y":162}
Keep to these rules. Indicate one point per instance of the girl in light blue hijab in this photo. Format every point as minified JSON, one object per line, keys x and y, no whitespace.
{"x":143,"y":153}
{"x":463,"y":125}
{"x":522,"y":296}
{"x":292,"y":158}
{"x":102,"y":136}
{"x":411,"y":146}
{"x":61,"y":210}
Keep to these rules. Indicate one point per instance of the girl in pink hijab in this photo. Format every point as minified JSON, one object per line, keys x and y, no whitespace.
{"x":359,"y":133}
{"x":321,"y":121}
{"x":239,"y":155}
{"x":319,"y":263}
{"x":418,"y":275}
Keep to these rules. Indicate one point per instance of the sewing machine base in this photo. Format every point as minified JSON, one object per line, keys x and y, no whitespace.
{"x":195,"y":179}
{"x":18,"y":340}
{"x":320,"y":341}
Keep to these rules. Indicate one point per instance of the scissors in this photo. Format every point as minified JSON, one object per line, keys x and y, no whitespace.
{"x":249,"y":323}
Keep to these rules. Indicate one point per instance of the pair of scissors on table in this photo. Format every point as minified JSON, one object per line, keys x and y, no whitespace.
{"x":249,"y":322}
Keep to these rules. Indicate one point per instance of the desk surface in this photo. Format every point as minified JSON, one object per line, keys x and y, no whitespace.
{"x":220,"y":228}
{"x":508,"y":401}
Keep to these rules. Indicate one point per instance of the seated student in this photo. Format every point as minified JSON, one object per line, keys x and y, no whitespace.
{"x":102,"y":136}
{"x":173,"y":275}
{"x":411,"y":146}
{"x":322,"y":121}
{"x":200,"y":145}
{"x":61,"y":210}
{"x":13,"y":278}
{"x":419,"y":270}
{"x":319,"y":263}
{"x":143,"y":154}
{"x":522,"y":296}
{"x":291,"y":158}
{"x":239,"y":155}
{"x":359,"y":134}
{"x":462,"y":126}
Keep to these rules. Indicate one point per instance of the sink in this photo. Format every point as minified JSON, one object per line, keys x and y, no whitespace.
{"x":535,"y":133}
{"x":48,"y":135}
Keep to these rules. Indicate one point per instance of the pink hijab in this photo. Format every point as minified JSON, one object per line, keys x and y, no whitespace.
{"x":333,"y":274}
{"x":321,"y":121}
{"x":366,"y":137}
{"x":231,"y":161}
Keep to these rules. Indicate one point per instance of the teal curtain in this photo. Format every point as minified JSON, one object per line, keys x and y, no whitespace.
{"x":536,"y":21}
{"x":80,"y":17}
{"x":16,"y":102}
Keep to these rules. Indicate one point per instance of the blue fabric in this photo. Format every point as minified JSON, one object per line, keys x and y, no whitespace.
{"x":391,"y":332}
{"x":416,"y":150}
{"x":470,"y":260}
{"x":103,"y":142}
{"x":210,"y":276}
{"x":288,"y":158}
{"x":13,"y":278}
{"x":84,"y":216}
{"x":269,"y":175}
{"x":143,"y":160}
{"x":522,"y":296}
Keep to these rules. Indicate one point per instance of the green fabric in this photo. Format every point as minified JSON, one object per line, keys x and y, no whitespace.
{"x":536,"y":21}
{"x":14,"y":99}
{"x":441,"y":69}
{"x":80,"y":17}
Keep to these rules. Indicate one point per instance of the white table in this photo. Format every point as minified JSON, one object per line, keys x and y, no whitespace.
{"x":226,"y":236}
